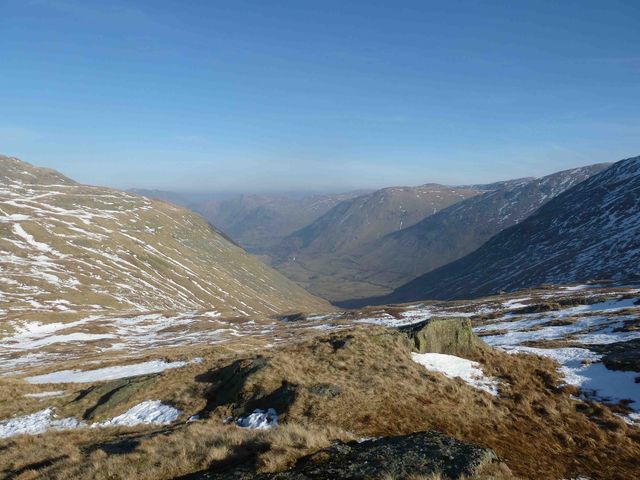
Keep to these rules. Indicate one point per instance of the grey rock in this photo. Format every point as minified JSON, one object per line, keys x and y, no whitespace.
{"x":624,"y":356}
{"x":325,"y":390}
{"x":103,"y":398}
{"x":452,"y":336}
{"x":420,"y":453}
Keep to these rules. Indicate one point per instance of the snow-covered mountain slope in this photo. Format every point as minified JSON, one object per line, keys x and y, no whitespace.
{"x":591,"y":231}
{"x":66,"y":247}
{"x":461,"y":228}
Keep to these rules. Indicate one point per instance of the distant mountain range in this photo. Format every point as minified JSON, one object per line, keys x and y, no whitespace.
{"x":67,"y":247}
{"x":460,"y":229}
{"x":589,"y":232}
{"x":345,"y":247}
{"x":320,"y":255}
{"x":257,"y":222}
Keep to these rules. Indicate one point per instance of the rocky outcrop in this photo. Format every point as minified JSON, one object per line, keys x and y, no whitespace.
{"x":422,"y":453}
{"x":100,"y":400}
{"x":229,"y":389}
{"x":452,"y":336}
{"x":624,"y":356}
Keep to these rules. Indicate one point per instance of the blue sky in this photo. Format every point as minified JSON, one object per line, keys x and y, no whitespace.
{"x":320,"y":95}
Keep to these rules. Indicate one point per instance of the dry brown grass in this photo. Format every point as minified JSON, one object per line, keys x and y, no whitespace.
{"x":161,"y":453}
{"x":533,"y":425}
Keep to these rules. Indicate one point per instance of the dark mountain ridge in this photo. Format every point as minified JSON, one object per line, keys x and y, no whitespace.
{"x":459,"y":229}
{"x":591,"y":231}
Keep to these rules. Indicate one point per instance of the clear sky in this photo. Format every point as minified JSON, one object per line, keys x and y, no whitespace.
{"x":292,"y":95}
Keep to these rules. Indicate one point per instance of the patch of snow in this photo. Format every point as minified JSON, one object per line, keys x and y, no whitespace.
{"x":367,"y":439}
{"x":609,"y":305}
{"x":563,"y":356}
{"x":413,"y":315}
{"x":55,"y":393}
{"x":34,"y":334}
{"x":71,"y":337}
{"x":574,"y":288}
{"x":319,"y":318}
{"x":632,"y":418}
{"x":259,"y":420}
{"x":14,"y":217}
{"x":607,"y":336}
{"x":150,"y":412}
{"x":19,"y":231}
{"x":581,"y":367}
{"x":326,"y":327}
{"x":36,"y":423}
{"x":597,"y":329}
{"x":107,"y":373}
{"x":516,"y":325}
{"x":386,"y":320}
{"x":571,"y":359}
{"x":611,"y":386}
{"x":515,"y":303}
{"x":456,"y":367}
{"x":530,"y":320}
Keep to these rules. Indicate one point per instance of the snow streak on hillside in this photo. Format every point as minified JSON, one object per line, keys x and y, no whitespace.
{"x":66,"y":247}
{"x":591,"y":231}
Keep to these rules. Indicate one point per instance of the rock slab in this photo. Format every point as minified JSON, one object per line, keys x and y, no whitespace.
{"x":421,"y":453}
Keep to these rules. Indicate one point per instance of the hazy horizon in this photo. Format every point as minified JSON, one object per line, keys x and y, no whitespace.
{"x":228,"y":193}
{"x":355,"y":188}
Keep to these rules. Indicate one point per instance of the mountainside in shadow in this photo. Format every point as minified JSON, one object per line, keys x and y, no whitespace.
{"x":591,"y":231}
{"x":66,"y":246}
{"x":460,"y":229}
{"x":320,"y":256}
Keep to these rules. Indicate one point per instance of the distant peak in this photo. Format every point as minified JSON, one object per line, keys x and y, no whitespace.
{"x":15,"y":170}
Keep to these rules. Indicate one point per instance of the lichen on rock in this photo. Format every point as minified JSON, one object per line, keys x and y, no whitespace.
{"x":452,"y":336}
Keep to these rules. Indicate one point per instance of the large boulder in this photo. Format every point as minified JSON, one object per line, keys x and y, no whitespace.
{"x":452,"y":336}
{"x":102,"y":400}
{"x":422,"y":453}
